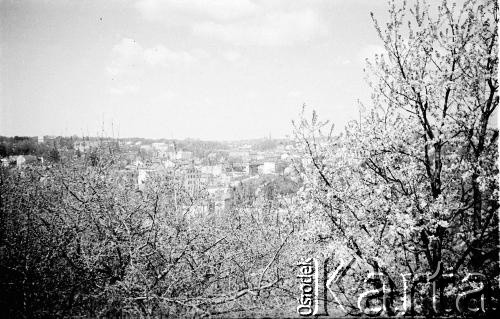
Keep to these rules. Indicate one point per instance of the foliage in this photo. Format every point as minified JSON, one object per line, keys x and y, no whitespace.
{"x":415,"y":182}
{"x":24,"y":145}
{"x":78,"y":239}
{"x":54,"y":155}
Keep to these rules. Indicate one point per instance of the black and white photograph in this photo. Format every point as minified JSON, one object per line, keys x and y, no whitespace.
{"x":249,"y":159}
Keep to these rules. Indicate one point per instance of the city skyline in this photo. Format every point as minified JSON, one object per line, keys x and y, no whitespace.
{"x":181,"y":69}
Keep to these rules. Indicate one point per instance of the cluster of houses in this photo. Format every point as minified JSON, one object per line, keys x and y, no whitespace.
{"x":20,"y":161}
{"x":212,"y":178}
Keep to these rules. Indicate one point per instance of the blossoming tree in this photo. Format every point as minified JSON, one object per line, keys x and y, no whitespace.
{"x":413,"y":186}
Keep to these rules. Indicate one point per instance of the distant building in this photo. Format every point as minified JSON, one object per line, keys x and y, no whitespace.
{"x":253,"y":168}
{"x":146,"y":148}
{"x":241,"y":155}
{"x":219,"y":199}
{"x":20,"y":160}
{"x":171,"y":155}
{"x":241,"y":167}
{"x":269,"y":168}
{"x":151,"y":170}
{"x":212,"y":158}
{"x":184,"y":155}
{"x":215,"y":170}
{"x":192,"y":180}
{"x":84,"y":145}
{"x":223,"y":180}
{"x":260,"y":156}
{"x":142,"y":176}
{"x":138,"y":163}
{"x":158,"y":145}
{"x":23,"y":160}
{"x":163,"y":149}
{"x":168,"y":164}
{"x":40,"y":139}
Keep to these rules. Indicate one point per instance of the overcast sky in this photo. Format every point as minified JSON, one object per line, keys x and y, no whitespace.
{"x":218,"y":69}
